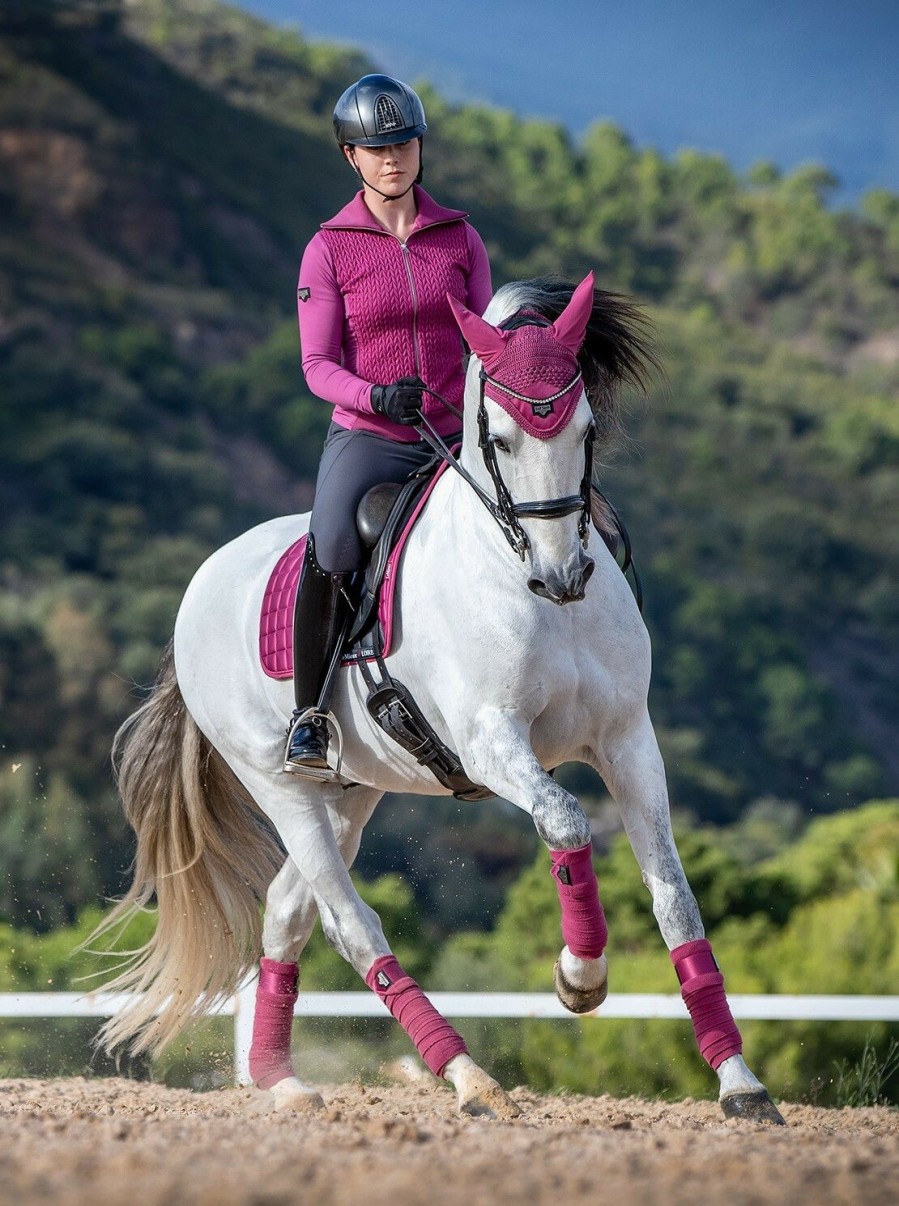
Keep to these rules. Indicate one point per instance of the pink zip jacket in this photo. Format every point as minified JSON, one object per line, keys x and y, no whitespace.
{"x":372,"y":309}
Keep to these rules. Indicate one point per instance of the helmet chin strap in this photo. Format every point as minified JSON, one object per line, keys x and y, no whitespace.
{"x":375,"y":189}
{"x":386,"y":196}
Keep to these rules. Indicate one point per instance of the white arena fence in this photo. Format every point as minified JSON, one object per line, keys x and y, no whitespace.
{"x":745,"y":1007}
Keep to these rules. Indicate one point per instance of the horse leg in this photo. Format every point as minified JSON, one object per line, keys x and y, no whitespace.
{"x":635,"y":775}
{"x":502,"y":758}
{"x":290,"y":915}
{"x":302,"y":813}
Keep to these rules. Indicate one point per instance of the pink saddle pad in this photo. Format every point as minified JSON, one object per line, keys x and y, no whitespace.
{"x":279,"y":600}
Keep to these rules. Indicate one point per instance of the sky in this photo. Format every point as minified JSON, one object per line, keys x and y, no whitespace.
{"x":790,"y":81}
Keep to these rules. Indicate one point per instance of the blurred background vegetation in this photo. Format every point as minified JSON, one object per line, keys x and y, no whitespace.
{"x":162,"y":165}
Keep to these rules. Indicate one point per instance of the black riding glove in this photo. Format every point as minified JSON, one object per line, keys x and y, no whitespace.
{"x":400,"y":402}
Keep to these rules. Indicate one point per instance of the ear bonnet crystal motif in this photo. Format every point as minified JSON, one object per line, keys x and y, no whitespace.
{"x":531,"y":371}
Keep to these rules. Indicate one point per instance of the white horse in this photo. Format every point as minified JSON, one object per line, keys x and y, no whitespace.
{"x":510,"y":678}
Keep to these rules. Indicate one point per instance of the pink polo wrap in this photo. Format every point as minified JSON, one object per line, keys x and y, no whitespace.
{"x":435,"y":1039}
{"x":702,"y":987}
{"x":583,"y":920}
{"x":276,"y":995}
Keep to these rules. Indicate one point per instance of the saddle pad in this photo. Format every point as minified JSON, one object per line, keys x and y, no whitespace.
{"x":279,"y":600}
{"x":276,"y":617}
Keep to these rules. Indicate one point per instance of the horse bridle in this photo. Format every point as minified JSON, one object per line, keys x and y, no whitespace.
{"x":504,"y":509}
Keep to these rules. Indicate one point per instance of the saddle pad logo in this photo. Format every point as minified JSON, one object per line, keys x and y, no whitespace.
{"x":303,"y":294}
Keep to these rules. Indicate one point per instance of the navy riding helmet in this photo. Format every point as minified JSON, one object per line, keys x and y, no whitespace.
{"x":378,"y":111}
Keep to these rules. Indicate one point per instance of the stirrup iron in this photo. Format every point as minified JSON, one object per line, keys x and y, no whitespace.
{"x":321,"y":774}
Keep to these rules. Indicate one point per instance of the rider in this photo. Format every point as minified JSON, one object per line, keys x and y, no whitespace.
{"x":375,"y":328}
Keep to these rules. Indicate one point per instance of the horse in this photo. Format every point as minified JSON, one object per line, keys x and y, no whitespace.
{"x":520,"y":640}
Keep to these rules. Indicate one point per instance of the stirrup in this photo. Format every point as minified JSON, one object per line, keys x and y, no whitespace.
{"x":321,"y":774}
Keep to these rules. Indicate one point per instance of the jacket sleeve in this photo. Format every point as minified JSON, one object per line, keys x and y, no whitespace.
{"x":321,"y":314}
{"x":480,"y":288}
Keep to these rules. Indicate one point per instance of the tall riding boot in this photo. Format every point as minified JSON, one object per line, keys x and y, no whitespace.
{"x":320,"y":622}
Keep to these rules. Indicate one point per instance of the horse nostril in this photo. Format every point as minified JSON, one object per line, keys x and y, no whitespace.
{"x":587,"y":574}
{"x":538,"y":587}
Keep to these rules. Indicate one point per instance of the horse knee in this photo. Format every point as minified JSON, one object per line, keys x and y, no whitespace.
{"x":560,"y":821}
{"x":356,"y":935}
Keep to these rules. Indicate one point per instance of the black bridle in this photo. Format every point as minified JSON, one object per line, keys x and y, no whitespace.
{"x":508,"y":512}
{"x":503,"y":508}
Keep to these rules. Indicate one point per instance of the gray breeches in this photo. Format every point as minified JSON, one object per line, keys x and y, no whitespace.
{"x":353,"y":462}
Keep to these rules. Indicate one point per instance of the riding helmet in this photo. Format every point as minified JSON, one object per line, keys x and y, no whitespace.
{"x":378,"y":111}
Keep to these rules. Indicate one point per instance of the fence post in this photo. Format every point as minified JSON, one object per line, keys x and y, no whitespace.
{"x":244,"y":1001}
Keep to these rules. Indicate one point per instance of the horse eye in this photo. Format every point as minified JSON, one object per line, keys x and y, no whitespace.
{"x":499,"y":443}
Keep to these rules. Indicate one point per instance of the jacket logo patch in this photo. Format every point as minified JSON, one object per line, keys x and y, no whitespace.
{"x":303,"y":294}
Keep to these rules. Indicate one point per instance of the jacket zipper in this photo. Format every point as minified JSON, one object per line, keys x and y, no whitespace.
{"x":416,"y":352}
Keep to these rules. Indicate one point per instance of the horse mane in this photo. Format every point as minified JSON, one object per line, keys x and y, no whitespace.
{"x":618,"y":348}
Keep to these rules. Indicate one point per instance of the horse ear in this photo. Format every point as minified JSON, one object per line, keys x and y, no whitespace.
{"x":481,"y":337}
{"x":571,"y":325}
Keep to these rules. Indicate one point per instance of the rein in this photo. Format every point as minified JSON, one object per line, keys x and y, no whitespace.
{"x":504,"y":509}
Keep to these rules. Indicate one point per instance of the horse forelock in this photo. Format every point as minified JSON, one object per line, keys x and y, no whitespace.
{"x":617,"y":348}
{"x":534,"y":364}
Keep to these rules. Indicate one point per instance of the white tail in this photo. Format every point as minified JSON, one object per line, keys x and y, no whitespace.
{"x":207,"y":853}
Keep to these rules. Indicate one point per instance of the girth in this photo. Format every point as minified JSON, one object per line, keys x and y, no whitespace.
{"x":389,"y":701}
{"x":397,"y":713}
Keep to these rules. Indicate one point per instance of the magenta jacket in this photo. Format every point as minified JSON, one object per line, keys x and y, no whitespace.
{"x":373,"y":309}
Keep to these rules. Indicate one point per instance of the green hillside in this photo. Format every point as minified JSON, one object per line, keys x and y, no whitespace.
{"x":162,"y":164}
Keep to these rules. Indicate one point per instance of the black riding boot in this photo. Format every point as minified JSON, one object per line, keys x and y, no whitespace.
{"x":320,"y":622}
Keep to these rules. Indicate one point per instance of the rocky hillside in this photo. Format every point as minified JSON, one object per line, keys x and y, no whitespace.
{"x":162,"y":164}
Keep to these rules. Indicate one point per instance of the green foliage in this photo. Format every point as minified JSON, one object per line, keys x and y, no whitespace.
{"x":861,"y":1084}
{"x":163,"y":165}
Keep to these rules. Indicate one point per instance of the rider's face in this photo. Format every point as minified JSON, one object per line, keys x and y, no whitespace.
{"x":392,"y":169}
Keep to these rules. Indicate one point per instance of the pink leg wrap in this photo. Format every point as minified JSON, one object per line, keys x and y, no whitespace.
{"x":276,"y":995}
{"x":702,"y":987}
{"x":583,"y":921}
{"x":437,"y":1042}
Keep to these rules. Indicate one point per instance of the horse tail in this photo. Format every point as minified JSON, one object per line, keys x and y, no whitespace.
{"x":207,"y":853}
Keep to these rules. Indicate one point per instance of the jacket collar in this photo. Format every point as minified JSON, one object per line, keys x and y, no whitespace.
{"x":356,"y":215}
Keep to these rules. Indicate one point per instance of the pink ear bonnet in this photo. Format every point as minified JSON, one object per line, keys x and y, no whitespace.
{"x":532,"y":372}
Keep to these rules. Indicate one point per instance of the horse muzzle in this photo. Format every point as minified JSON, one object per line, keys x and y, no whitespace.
{"x":564,"y":588}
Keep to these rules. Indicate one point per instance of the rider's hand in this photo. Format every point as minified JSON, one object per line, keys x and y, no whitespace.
{"x":400,"y":402}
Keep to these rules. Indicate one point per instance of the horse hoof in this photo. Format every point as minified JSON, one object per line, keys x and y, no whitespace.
{"x":484,"y":1098}
{"x":578,"y":1000}
{"x":291,"y":1094}
{"x":752,"y":1107}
